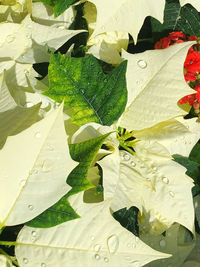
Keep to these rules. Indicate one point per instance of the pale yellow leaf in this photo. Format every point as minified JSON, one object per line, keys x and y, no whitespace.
{"x":155,"y":83}
{"x":34,"y":167}
{"x":111,"y":15}
{"x":96,"y":239}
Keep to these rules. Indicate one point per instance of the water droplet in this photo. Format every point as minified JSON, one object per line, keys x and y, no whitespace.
{"x":38,"y":135}
{"x":106,"y":259}
{"x":142,"y":166}
{"x":43,"y":264}
{"x":103,"y":28}
{"x":136,"y":239}
{"x":133,"y":163}
{"x":25,"y":260}
{"x":50,"y":147}
{"x":33,"y":233}
{"x":129,"y":245}
{"x":29,"y":104}
{"x":136,"y":263}
{"x":61,"y":27}
{"x":165,"y":180}
{"x":10,"y":38}
{"x":47,"y":165}
{"x":113,"y":243}
{"x":92,"y":238}
{"x":23,"y":182}
{"x":171,"y":194}
{"x":162,"y":243}
{"x":97,"y":257}
{"x":155,"y":168}
{"x":126,"y":157}
{"x":30,"y":207}
{"x":142,"y":64}
{"x":97,"y":247}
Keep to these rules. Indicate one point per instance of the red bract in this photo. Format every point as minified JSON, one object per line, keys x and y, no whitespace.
{"x":191,"y":64}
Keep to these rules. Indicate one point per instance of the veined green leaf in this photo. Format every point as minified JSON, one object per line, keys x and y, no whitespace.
{"x":62,"y":211}
{"x":93,"y":95}
{"x":177,"y":18}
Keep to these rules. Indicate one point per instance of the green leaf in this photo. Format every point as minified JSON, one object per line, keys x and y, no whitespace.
{"x":177,"y":18}
{"x":56,"y":214}
{"x":128,"y":219}
{"x":59,"y":6}
{"x":62,"y":211}
{"x":93,"y":95}
{"x":84,"y":153}
{"x":195,"y":153}
{"x":193,"y":168}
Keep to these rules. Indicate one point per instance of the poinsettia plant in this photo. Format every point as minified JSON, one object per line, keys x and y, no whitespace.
{"x":99,"y":133}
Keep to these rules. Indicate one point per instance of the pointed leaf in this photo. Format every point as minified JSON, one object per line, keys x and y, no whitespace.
{"x":195,"y":153}
{"x":93,"y":95}
{"x":39,"y":156}
{"x":155,"y":83}
{"x":104,"y":242}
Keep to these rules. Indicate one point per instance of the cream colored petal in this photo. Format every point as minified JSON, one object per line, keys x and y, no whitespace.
{"x":111,"y":15}
{"x":155,"y":83}
{"x":95,"y":240}
{"x":31,"y":160}
{"x":5,"y":262}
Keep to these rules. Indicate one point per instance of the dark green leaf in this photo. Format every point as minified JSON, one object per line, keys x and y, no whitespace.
{"x":177,"y":18}
{"x":193,"y":168}
{"x":128,"y":219}
{"x":195,"y":153}
{"x":93,"y":95}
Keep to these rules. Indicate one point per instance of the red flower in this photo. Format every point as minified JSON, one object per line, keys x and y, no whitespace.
{"x":188,"y":99}
{"x":177,"y":35}
{"x":163,"y":43}
{"x":192,"y":63}
{"x":192,"y":38}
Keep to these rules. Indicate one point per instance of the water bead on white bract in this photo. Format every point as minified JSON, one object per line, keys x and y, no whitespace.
{"x":142,"y":64}
{"x":155,"y":168}
{"x":97,"y":257}
{"x":23,"y":182}
{"x":30,"y":207}
{"x":25,"y":260}
{"x":165,"y":180}
{"x":37,"y":135}
{"x":133,"y":163}
{"x":97,"y":247}
{"x":29,"y":104}
{"x":33,"y":233}
{"x":106,"y":259}
{"x":126,"y":157}
{"x":10,"y":38}
{"x":113,"y":243}
{"x":171,"y":194}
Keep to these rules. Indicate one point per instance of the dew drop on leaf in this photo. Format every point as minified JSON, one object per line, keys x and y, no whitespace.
{"x":165,"y":180}
{"x":33,"y":233}
{"x":30,"y":207}
{"x":97,"y":257}
{"x":113,"y":243}
{"x":142,"y":64}
{"x":25,"y":260}
{"x":106,"y":259}
{"x":171,"y":194}
{"x":133,"y":163}
{"x":38,"y":135}
{"x":126,"y":157}
{"x":97,"y":247}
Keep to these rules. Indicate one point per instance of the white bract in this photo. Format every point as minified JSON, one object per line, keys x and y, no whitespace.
{"x":94,"y":240}
{"x":39,"y":156}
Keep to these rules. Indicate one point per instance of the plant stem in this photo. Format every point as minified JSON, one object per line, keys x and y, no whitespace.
{"x":8,"y":243}
{"x":9,"y":257}
{"x":127,"y":148}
